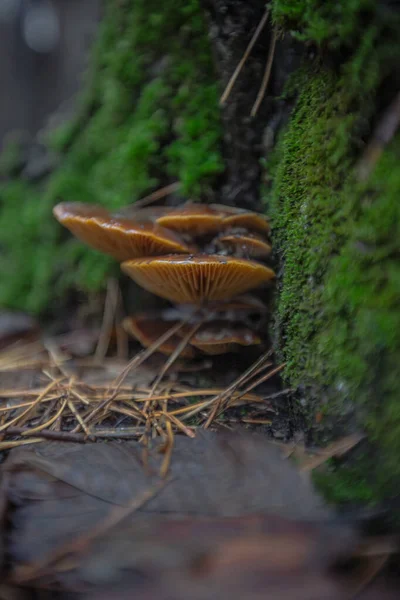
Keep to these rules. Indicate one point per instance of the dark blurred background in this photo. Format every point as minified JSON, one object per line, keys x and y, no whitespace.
{"x":43,"y":50}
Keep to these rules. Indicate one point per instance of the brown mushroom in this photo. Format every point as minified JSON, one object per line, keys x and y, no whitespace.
{"x":243,"y":245}
{"x":198,"y":279}
{"x":247,"y":220}
{"x":218,"y":338}
{"x":192,"y":218}
{"x":239,"y":217}
{"x":120,"y":237}
{"x":148,"y":213}
{"x":147,"y":330}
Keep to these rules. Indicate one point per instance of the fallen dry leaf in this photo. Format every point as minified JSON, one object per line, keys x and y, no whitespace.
{"x":235,"y":520}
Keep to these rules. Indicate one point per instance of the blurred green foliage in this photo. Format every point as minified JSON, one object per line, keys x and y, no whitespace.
{"x":148,"y":115}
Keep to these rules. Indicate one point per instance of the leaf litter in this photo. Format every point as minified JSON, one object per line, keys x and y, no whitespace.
{"x":203,"y":514}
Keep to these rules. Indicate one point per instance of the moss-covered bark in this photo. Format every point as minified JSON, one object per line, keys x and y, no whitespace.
{"x":337,"y":319}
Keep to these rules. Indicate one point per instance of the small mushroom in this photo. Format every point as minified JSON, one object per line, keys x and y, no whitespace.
{"x":149,"y":213}
{"x":147,"y":330}
{"x":120,"y":237}
{"x":218,"y":338}
{"x":239,"y":217}
{"x":197,"y":279}
{"x":192,"y":218}
{"x":243,"y":245}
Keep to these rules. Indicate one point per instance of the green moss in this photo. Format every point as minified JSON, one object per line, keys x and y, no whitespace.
{"x":337,"y":240}
{"x":149,"y":115}
{"x":331,"y":22}
{"x":342,"y":484}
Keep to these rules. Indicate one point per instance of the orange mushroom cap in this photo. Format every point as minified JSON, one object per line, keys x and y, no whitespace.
{"x":218,"y":338}
{"x":148,"y":213}
{"x":147,"y":330}
{"x":248,"y":244}
{"x":247,"y":220}
{"x":120,"y":237}
{"x":192,"y":218}
{"x":197,"y":279}
{"x":239,"y":217}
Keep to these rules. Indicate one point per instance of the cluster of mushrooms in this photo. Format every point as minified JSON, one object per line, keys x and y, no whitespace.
{"x":202,"y":258}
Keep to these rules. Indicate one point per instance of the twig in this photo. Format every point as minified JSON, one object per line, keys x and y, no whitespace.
{"x":267,"y":74}
{"x":244,"y":58}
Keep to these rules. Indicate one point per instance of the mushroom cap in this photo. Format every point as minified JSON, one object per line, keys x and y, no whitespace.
{"x":247,"y":220}
{"x":247,"y":244}
{"x":220,"y":338}
{"x":239,"y":217}
{"x":197,"y":279}
{"x":147,"y":330}
{"x":120,"y":237}
{"x":195,"y":219}
{"x":148,"y":213}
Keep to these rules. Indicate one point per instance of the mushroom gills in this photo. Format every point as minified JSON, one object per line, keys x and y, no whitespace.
{"x":197,"y":279}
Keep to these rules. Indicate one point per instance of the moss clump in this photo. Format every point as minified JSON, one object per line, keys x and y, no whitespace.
{"x":331,"y":22}
{"x":149,"y":114}
{"x":344,"y":485}
{"x":337,"y":239}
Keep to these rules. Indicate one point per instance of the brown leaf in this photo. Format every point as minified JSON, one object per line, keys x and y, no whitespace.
{"x":235,"y":521}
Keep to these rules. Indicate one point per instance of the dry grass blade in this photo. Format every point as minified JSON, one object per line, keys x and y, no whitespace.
{"x":338,"y":448}
{"x":110,"y":307}
{"x":49,"y":422}
{"x":22,"y":355}
{"x":179,"y":425}
{"x":60,"y":436}
{"x":25,"y":404}
{"x":258,"y":382}
{"x":51,"y":385}
{"x":176,"y":353}
{"x":17,"y":443}
{"x":167,"y":450}
{"x":133,"y":364}
{"x":244,"y":58}
{"x":158,"y":194}
{"x":374,"y":567}
{"x":122,"y":336}
{"x":256,"y":421}
{"x":267,"y":75}
{"x":143,"y":355}
{"x":219,"y":400}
